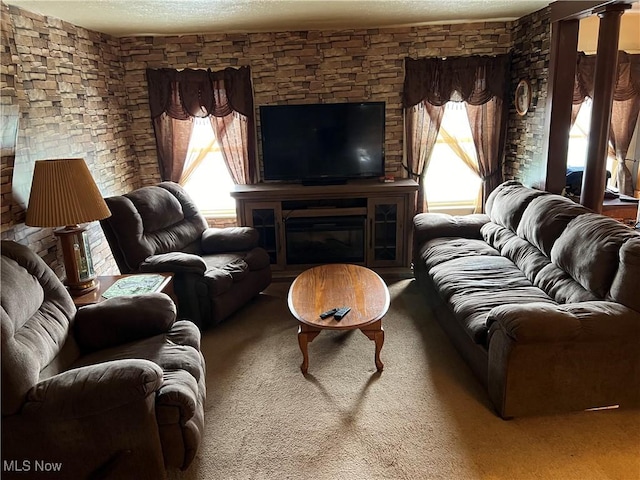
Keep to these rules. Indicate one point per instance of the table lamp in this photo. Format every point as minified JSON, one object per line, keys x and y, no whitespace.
{"x":64,"y":194}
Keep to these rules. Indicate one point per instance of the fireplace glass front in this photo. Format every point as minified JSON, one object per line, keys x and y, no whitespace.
{"x":325,"y":239}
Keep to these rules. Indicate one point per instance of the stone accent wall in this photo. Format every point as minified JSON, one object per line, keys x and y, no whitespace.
{"x":68,"y":85}
{"x":525,"y":159}
{"x":305,"y":67}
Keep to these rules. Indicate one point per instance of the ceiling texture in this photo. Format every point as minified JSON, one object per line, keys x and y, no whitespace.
{"x":180,"y":17}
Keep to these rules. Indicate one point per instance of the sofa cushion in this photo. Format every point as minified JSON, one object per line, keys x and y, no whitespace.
{"x":151,"y":200}
{"x":561,"y":286}
{"x":171,"y":351}
{"x":255,"y":259}
{"x":225,"y":269}
{"x":527,"y":257}
{"x":220,"y":260}
{"x":221,"y":279}
{"x":440,"y":250}
{"x":23,"y":301}
{"x":624,"y":288}
{"x":507,"y":203}
{"x":496,"y":235}
{"x":36,"y":313}
{"x":473,"y":285}
{"x":545,"y":219}
{"x":588,"y":250}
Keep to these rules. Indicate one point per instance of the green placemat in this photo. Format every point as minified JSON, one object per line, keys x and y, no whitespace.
{"x":134,"y":285}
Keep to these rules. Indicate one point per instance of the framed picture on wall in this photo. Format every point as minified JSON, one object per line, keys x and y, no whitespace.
{"x":523,"y":97}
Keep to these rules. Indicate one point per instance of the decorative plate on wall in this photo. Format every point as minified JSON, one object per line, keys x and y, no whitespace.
{"x":523,"y":97}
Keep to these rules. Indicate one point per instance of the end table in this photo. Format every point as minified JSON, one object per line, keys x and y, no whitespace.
{"x":106,"y":281}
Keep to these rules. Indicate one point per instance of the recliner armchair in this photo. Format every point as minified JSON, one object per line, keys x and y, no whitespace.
{"x":113,"y":390}
{"x":159,"y":229}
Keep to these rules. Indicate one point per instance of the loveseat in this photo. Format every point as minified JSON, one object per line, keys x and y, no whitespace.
{"x":113,"y":390}
{"x":540,"y":296}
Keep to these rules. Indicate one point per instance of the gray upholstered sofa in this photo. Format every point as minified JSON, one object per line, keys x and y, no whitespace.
{"x":540,"y":296}
{"x":113,"y":390}
{"x":159,"y":229}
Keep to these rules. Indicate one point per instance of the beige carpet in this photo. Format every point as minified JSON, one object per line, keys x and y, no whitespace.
{"x":424,"y":417}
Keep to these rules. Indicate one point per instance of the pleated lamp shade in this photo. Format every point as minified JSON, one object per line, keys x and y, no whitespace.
{"x":63,"y":192}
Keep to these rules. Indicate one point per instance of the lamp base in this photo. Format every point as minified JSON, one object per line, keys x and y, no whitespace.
{"x":78,"y":265}
{"x":77,"y":290}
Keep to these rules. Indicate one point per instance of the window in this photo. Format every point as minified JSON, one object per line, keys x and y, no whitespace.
{"x":579,"y":140}
{"x":206,"y":177}
{"x":449,"y":181}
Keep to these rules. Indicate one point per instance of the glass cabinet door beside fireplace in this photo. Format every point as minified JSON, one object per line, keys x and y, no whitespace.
{"x":386,"y":220}
{"x":266,"y":218}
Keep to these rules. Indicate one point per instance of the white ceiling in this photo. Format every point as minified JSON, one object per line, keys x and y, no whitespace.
{"x":176,"y":17}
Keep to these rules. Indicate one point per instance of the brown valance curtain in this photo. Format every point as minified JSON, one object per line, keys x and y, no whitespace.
{"x":624,"y":110}
{"x":627,"y":82}
{"x":474,"y":80}
{"x":226,"y":96}
{"x":479,"y":81}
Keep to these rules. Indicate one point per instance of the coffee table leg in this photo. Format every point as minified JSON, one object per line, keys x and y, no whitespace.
{"x":375,"y":332}
{"x":306,"y":334}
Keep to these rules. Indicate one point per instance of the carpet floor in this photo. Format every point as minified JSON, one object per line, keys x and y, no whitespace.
{"x":424,"y":417}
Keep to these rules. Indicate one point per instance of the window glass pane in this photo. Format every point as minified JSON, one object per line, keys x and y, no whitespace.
{"x":579,"y":140}
{"x":579,"y":137}
{"x":448,"y":178}
{"x":210,"y":183}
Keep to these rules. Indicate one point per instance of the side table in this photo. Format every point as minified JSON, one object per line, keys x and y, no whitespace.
{"x":624,"y":211}
{"x":106,"y":281}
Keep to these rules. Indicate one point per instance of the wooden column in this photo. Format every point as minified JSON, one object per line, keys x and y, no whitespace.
{"x":562,"y":72}
{"x":594,"y":177}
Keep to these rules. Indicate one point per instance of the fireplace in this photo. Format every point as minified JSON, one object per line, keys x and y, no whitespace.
{"x":325,"y":239}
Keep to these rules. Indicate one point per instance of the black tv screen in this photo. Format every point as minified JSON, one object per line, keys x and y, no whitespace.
{"x":323,"y":142}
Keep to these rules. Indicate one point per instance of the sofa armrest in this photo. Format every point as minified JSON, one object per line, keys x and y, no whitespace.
{"x":176,"y":262}
{"x":584,"y":321}
{"x":549,"y":358}
{"x":428,"y":226}
{"x":94,"y":389}
{"x":229,"y":239}
{"x":177,"y":394}
{"x":120,"y":320}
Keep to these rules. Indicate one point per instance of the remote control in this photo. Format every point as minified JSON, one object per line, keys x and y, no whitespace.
{"x":341,"y":312}
{"x":328,"y":313}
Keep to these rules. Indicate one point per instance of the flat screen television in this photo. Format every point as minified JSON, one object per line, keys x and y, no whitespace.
{"x":323,"y":143}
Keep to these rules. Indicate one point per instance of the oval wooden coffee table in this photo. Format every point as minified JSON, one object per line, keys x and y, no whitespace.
{"x":336,"y":285}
